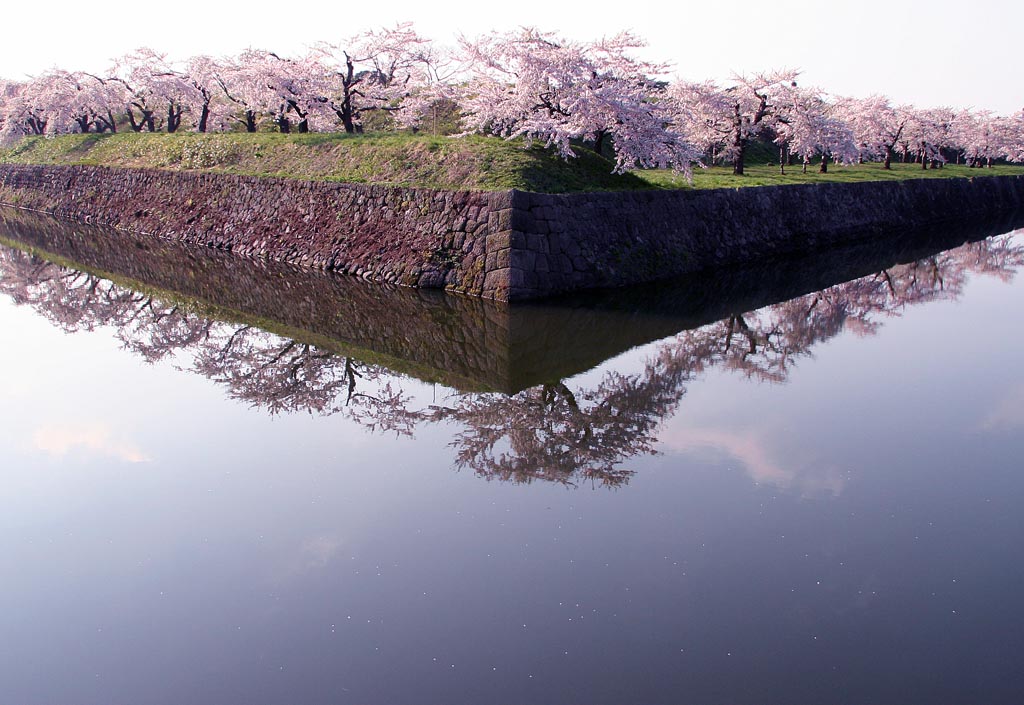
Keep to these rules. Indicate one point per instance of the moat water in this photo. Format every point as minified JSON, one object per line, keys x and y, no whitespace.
{"x":226,"y":481}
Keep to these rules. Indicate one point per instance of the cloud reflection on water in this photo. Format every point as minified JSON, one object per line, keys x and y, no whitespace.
{"x":61,"y":441}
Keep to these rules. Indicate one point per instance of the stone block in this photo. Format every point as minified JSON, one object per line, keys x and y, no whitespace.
{"x":500,"y":220}
{"x":516,"y":278}
{"x":522,"y":220}
{"x":499,"y":241}
{"x":525,"y":259}
{"x":503,"y":259}
{"x":537,"y":243}
{"x":496,"y":279}
{"x":500,"y":200}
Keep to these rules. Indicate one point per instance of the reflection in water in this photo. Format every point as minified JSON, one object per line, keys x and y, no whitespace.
{"x":59,"y":441}
{"x":550,"y":431}
{"x":758,"y":461}
{"x":1008,"y":414}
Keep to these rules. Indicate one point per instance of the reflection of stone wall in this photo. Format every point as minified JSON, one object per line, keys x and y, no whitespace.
{"x":505,"y":245}
{"x":459,"y":341}
{"x":466,"y":343}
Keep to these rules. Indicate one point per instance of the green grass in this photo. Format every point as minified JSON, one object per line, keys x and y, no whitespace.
{"x":476,"y":163}
{"x":762,"y":175}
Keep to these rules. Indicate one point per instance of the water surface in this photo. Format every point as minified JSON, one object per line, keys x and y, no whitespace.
{"x":250,"y":484}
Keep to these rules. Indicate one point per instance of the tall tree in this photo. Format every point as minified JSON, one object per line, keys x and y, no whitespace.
{"x":757,"y":102}
{"x":535,"y":85}
{"x":375,"y":70}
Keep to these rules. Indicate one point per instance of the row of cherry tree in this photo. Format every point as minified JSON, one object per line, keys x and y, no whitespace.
{"x":527,"y":84}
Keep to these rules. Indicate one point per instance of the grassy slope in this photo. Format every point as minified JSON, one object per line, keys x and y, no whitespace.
{"x":761,"y":175}
{"x":485,"y":163}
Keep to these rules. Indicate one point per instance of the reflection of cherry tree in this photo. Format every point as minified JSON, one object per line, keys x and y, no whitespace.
{"x":765,"y":344}
{"x":551,"y":432}
{"x":263,"y":369}
{"x":68,"y":298}
{"x":284,"y":375}
{"x":555,"y":434}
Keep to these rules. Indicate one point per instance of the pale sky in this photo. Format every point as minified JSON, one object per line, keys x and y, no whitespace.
{"x":930,"y":53}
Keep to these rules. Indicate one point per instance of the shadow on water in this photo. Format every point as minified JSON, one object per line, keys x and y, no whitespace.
{"x":284,"y":339}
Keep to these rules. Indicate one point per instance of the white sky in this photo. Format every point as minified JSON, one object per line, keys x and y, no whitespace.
{"x":930,"y":53}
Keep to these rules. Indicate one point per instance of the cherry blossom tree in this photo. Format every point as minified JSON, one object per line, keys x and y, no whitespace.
{"x":926,"y":133}
{"x":1014,"y":128}
{"x":248,"y":82}
{"x":81,"y":102}
{"x":143,"y":97}
{"x":703,"y":112}
{"x":757,"y":102}
{"x":24,"y":109}
{"x":201,"y":75}
{"x":986,"y":137}
{"x":162,"y":83}
{"x":811,"y":126}
{"x":375,"y":70}
{"x":878,"y":126}
{"x":535,"y":85}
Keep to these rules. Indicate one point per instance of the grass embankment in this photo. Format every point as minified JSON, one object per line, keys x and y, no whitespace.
{"x":476,"y":162}
{"x":762,"y":175}
{"x":484,"y":163}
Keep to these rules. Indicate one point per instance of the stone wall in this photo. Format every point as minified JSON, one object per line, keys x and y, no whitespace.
{"x":583,"y":241}
{"x":411,"y":237}
{"x":508,"y":245}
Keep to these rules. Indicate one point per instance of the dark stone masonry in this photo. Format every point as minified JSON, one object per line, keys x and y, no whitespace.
{"x":509,"y":245}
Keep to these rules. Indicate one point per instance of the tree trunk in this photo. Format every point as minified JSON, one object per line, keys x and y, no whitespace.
{"x":106,"y":123}
{"x":737,"y":163}
{"x":782,"y":159}
{"x":173,"y":118}
{"x":739,"y":142}
{"x":345,"y":115}
{"x":204,"y":117}
{"x":599,"y":141}
{"x":888,"y":158}
{"x":823,"y":169}
{"x":250,"y":121}
{"x":348,"y":82}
